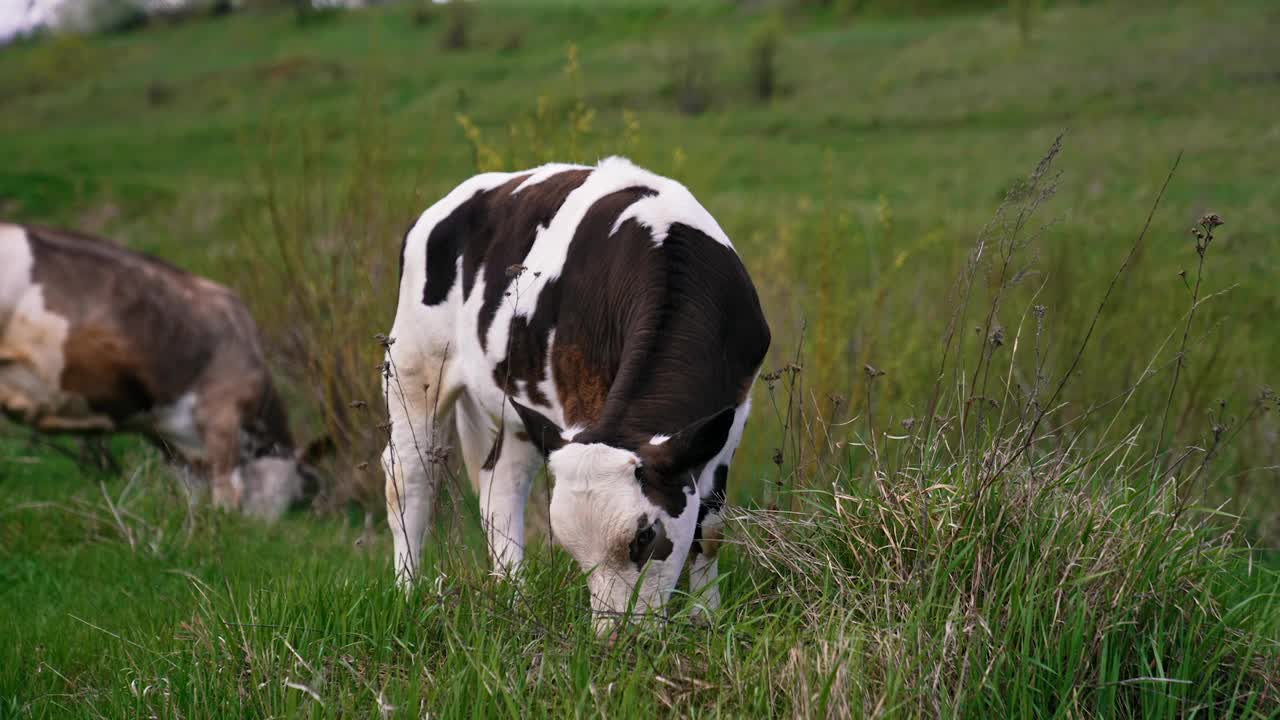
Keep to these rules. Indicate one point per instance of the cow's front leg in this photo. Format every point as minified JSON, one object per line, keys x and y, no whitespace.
{"x":501,"y":474}
{"x":221,"y":438}
{"x":220,"y":403}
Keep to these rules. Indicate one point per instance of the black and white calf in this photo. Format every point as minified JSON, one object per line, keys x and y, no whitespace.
{"x":606,"y":306}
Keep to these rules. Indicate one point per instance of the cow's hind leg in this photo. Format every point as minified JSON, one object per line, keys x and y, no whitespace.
{"x":501,"y":473}
{"x":419,"y":391}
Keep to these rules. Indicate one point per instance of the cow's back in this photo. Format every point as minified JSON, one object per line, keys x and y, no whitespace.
{"x":602,"y":295}
{"x":122,"y":332}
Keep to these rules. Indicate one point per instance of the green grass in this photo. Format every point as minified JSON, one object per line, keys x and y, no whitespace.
{"x":854,"y":196}
{"x":1077,"y":598}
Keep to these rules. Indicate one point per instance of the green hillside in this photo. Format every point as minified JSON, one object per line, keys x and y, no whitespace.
{"x":284,"y":154}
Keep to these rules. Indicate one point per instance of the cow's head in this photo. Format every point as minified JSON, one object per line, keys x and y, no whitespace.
{"x":274,"y":484}
{"x":627,"y":515}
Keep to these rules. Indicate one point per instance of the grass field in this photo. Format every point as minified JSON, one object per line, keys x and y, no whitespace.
{"x":1084,"y":581}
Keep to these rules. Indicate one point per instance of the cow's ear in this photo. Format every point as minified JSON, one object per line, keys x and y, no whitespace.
{"x":317,"y":450}
{"x":544,"y":434}
{"x":693,"y":446}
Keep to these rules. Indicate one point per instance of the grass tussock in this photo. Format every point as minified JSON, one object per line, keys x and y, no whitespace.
{"x":988,"y":561}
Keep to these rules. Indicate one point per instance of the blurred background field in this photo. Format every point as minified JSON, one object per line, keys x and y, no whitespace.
{"x":853,"y":150}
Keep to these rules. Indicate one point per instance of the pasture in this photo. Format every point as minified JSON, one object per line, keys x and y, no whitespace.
{"x":1014,"y":454}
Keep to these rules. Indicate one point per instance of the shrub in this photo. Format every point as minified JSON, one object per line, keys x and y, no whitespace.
{"x":323,"y":265}
{"x":763,"y":59}
{"x":424,"y":13}
{"x":690,"y":75}
{"x":457,"y":30}
{"x":1024,"y":13}
{"x":60,"y":59}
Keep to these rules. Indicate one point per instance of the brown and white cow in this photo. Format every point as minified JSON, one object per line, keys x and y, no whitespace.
{"x":608,"y":307}
{"x":95,"y":338}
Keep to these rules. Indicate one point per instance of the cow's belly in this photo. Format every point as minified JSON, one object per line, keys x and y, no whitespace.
{"x":26,"y":396}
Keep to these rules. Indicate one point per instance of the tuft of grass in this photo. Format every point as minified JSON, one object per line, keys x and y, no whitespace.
{"x":691,"y":73}
{"x":763,"y":58}
{"x":457,"y":30}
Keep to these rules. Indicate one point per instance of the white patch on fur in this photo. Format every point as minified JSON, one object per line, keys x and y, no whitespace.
{"x":673,"y":204}
{"x":178,"y":425}
{"x":659,"y":439}
{"x":15,"y":267}
{"x":546,"y":171}
{"x":269,"y":486}
{"x":707,"y":481}
{"x":31,"y":336}
{"x":571,"y":432}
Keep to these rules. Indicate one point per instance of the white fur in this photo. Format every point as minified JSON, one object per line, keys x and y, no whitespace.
{"x":503,"y":491}
{"x":179,"y":426}
{"x":31,"y":336}
{"x":544,"y":172}
{"x":673,"y":204}
{"x":269,"y":486}
{"x":30,"y":333}
{"x":659,"y":439}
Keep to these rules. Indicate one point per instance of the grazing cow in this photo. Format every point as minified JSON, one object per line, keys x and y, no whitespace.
{"x":95,"y":338}
{"x":607,"y":306}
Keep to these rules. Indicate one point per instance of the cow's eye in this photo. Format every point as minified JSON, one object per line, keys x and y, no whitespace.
{"x":639,"y":473}
{"x":649,"y":542}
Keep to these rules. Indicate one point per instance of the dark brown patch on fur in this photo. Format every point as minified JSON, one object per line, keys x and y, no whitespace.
{"x":495,"y":452}
{"x":715,"y":501}
{"x":675,"y":332}
{"x":672,"y":493}
{"x":583,"y":390}
{"x":524,"y":363}
{"x":445,"y":243}
{"x":492,"y":231}
{"x":100,"y":367}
